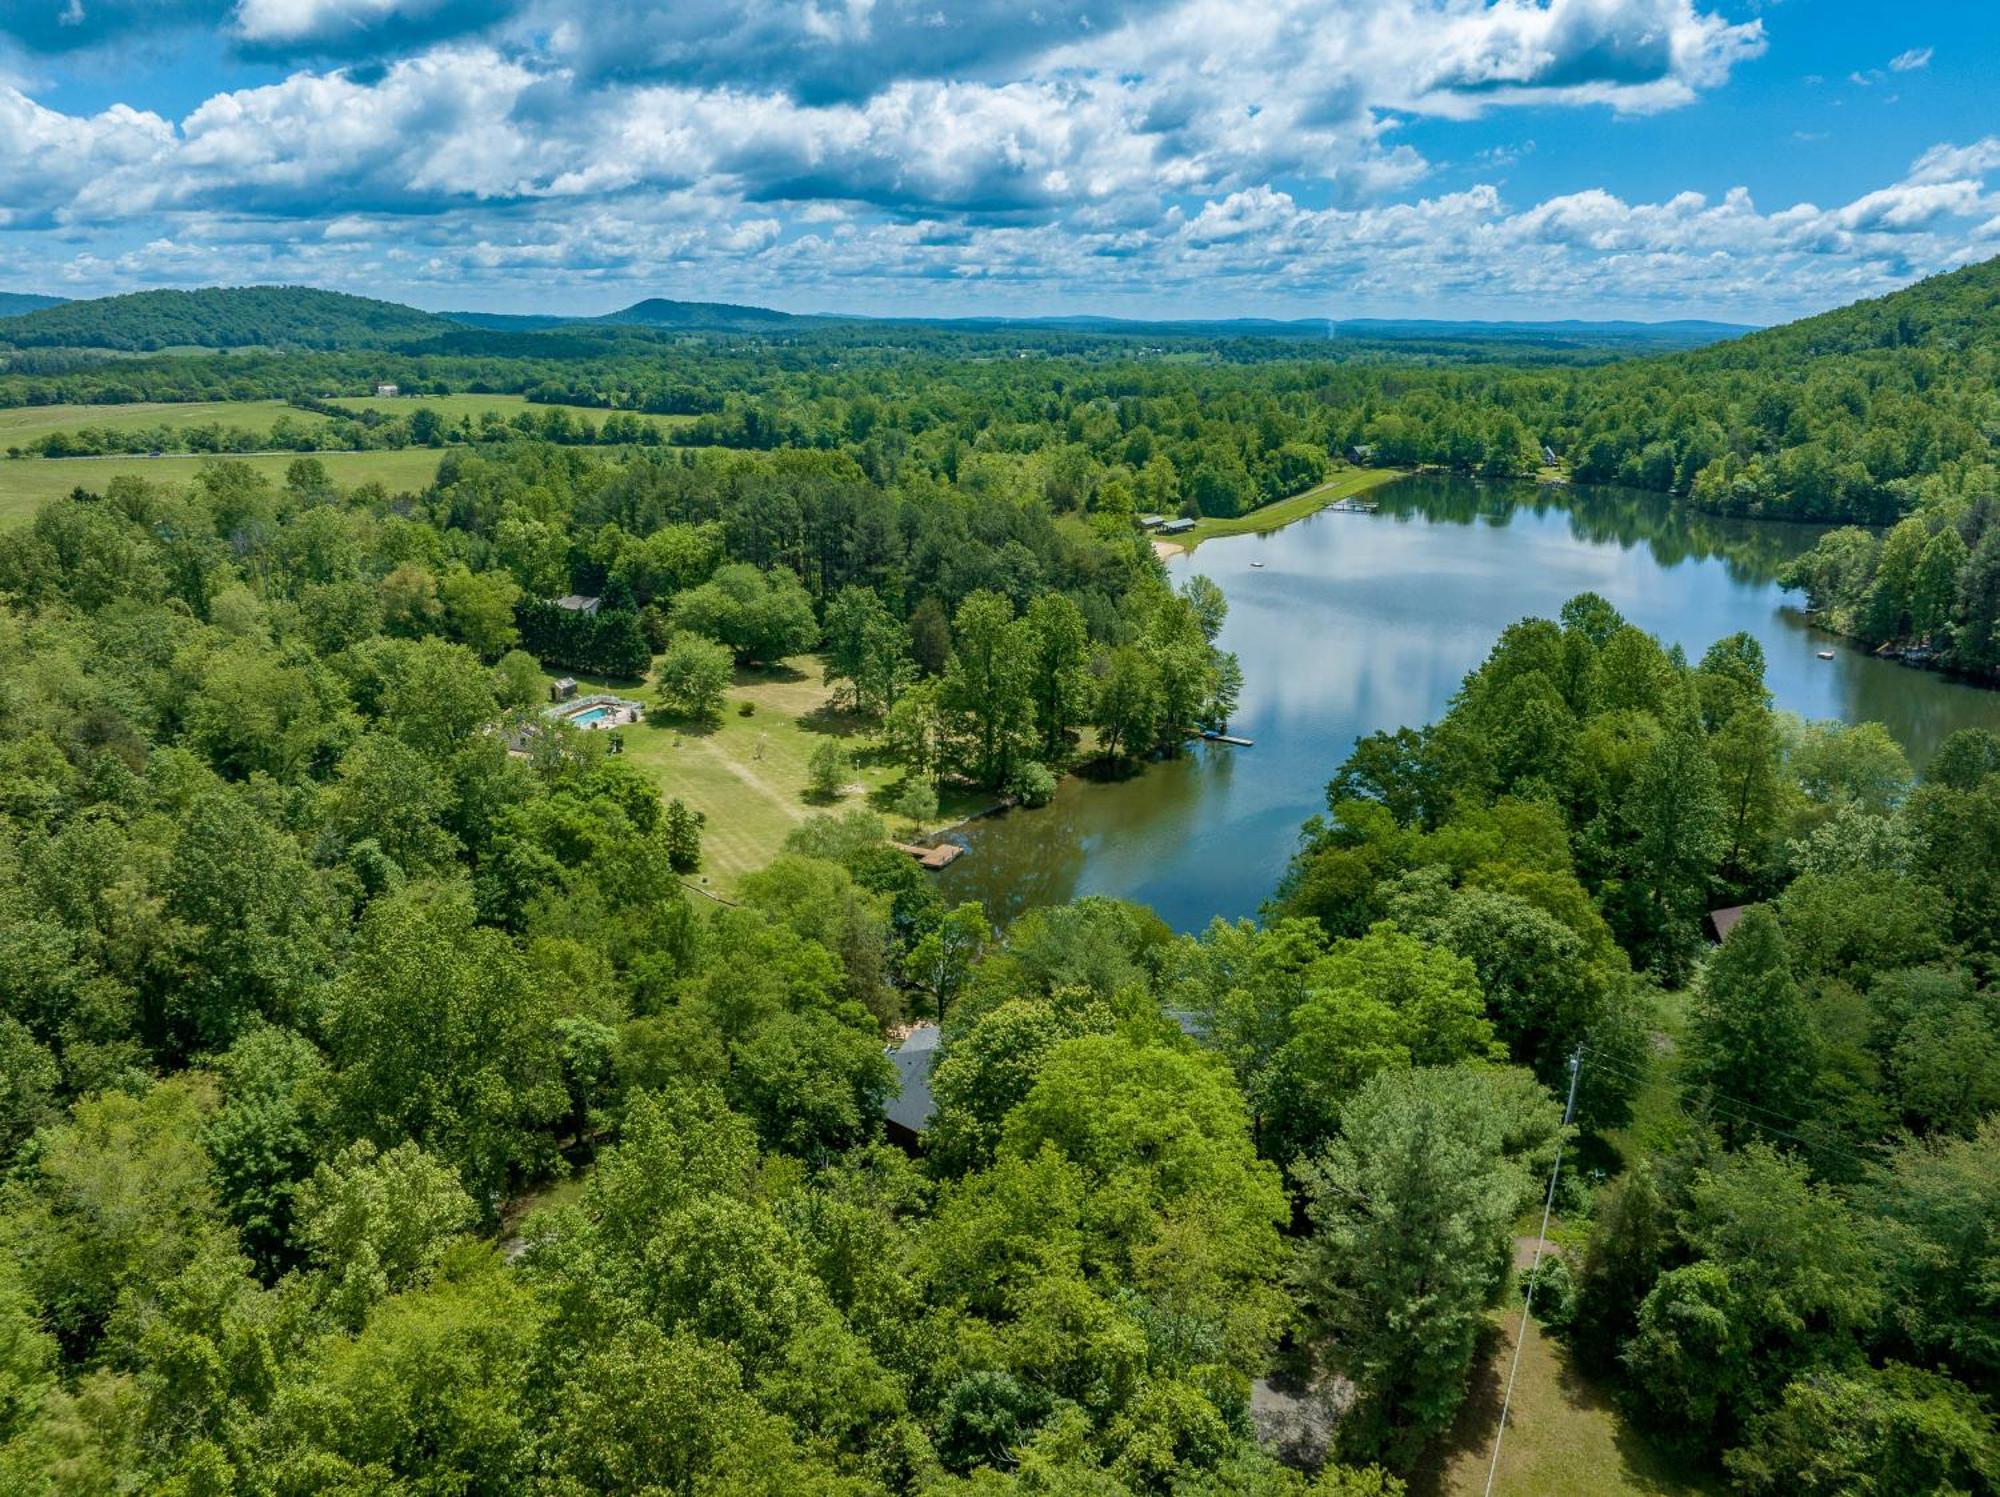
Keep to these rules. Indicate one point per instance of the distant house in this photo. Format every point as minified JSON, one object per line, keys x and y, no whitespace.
{"x":1361,"y":454}
{"x":578,"y":603}
{"x":906,"y":1114}
{"x":1151,"y":522}
{"x":1549,"y":455}
{"x":1717,"y":924}
{"x":386,"y":392}
{"x":562,"y":688}
{"x":1177,"y":527}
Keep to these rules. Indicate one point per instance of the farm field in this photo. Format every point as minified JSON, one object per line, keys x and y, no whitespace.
{"x":20,"y":425}
{"x":452,"y":407}
{"x":25,"y":483}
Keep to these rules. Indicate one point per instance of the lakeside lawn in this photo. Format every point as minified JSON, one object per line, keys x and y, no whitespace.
{"x":1343,"y":485}
{"x":748,"y":775}
{"x":26,"y":483}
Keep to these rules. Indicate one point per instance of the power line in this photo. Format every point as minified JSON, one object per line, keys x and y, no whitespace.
{"x":1731,"y":1104}
{"x":1535,"y":1268}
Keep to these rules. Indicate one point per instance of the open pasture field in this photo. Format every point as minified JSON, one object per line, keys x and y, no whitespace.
{"x":20,"y":425}
{"x":26,"y":483}
{"x":452,"y":407}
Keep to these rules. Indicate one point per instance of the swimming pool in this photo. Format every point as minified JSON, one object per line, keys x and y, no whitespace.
{"x":591,"y":718}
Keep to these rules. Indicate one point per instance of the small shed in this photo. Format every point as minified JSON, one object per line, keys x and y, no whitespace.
{"x":1151,"y":522}
{"x":1177,"y":527}
{"x":1361,"y":453}
{"x":907,"y":1113}
{"x":1549,"y":455}
{"x":578,"y":603}
{"x":562,"y":688}
{"x":1717,"y":924}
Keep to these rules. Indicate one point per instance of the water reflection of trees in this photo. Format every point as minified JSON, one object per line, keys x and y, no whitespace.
{"x":1752,"y":551}
{"x":1020,"y":859}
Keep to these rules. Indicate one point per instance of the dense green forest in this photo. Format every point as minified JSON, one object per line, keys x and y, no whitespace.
{"x":383,"y":1112}
{"x":387,"y":1103}
{"x":1863,"y":414}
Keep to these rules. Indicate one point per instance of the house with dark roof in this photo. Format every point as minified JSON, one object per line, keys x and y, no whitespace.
{"x":907,"y":1112}
{"x":578,"y":603}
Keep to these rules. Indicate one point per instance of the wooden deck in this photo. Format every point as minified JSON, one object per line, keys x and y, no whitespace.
{"x":931,"y":857}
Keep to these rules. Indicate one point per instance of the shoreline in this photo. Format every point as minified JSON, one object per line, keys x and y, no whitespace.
{"x":1348,"y":484}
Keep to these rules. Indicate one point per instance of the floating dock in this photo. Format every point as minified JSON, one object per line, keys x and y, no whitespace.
{"x":1230,"y":738}
{"x":1353,"y":507}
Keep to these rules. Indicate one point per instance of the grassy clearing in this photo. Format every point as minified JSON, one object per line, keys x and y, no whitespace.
{"x":1343,"y":485}
{"x":452,"y":407}
{"x":26,"y":483}
{"x":20,"y":425}
{"x":748,"y":775}
{"x":1564,"y":1436}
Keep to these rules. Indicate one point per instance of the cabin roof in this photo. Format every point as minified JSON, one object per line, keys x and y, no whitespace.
{"x":1721,"y":922}
{"x":911,"y":1106}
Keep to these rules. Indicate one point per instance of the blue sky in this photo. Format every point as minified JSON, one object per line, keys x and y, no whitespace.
{"x":1750,"y":160}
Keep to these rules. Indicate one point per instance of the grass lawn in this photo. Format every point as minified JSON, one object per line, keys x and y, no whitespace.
{"x":20,"y":425}
{"x":1564,"y":1436}
{"x":748,"y":775}
{"x":1343,"y":485}
{"x":26,"y":482}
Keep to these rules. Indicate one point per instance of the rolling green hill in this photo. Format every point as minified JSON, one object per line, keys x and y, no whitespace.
{"x":221,"y":317}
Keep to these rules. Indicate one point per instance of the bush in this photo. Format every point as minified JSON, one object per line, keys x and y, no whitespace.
{"x":827,"y":771}
{"x":1032,"y":784}
{"x":1555,"y":1293}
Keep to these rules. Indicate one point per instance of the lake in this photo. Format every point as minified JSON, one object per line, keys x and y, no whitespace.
{"x":1347,"y":623}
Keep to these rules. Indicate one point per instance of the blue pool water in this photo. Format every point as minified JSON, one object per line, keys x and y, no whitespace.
{"x":594,"y":715}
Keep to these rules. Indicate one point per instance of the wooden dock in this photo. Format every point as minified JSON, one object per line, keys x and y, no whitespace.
{"x":931,"y":857}
{"x":1230,"y":738}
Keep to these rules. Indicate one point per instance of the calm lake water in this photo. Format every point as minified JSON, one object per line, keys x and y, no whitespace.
{"x":1353,"y":623}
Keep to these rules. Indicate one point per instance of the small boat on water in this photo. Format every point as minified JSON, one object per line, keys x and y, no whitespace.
{"x":1826,"y":654}
{"x":1256,"y":563}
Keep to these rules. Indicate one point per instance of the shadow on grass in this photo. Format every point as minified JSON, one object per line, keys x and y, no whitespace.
{"x":780,"y":674}
{"x":1472,"y":1430}
{"x":836,"y":722}
{"x":658,"y":721}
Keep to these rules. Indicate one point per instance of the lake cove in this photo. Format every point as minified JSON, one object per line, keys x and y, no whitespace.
{"x":1347,"y":623}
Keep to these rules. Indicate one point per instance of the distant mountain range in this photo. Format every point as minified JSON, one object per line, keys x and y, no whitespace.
{"x":301,"y":317}
{"x":14,"y":303}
